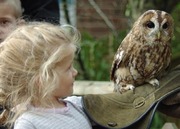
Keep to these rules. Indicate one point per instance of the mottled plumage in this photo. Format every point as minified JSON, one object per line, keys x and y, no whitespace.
{"x":144,"y":53}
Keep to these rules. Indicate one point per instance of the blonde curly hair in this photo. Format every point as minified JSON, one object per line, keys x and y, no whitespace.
{"x":28,"y":58}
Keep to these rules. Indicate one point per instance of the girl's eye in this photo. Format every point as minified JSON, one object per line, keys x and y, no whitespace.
{"x":70,"y":67}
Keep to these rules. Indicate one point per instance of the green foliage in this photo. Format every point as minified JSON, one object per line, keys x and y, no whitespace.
{"x":97,"y":56}
{"x":176,"y":40}
{"x":158,"y":121}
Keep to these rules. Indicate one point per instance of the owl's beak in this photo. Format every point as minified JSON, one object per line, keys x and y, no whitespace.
{"x":158,"y":35}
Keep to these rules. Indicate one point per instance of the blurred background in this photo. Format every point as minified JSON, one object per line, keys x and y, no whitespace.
{"x":104,"y":24}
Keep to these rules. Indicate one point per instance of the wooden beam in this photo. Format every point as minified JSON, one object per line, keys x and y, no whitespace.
{"x":93,"y":87}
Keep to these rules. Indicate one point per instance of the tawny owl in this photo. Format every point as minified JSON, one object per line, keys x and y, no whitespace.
{"x":144,"y":53}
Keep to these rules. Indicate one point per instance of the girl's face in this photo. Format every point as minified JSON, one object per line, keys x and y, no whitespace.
{"x":67,"y":74}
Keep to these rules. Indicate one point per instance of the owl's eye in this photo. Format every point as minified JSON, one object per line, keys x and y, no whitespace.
{"x":150,"y":24}
{"x":165,"y":26}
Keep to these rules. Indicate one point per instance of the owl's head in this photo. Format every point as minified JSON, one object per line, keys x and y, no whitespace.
{"x":155,"y":26}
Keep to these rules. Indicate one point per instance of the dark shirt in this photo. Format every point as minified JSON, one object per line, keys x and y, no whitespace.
{"x":41,"y":10}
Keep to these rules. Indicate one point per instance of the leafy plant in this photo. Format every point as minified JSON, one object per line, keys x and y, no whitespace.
{"x":97,"y":56}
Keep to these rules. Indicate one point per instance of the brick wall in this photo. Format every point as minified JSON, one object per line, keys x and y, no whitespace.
{"x":88,"y":20}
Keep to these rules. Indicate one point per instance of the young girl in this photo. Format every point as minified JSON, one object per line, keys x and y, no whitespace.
{"x":36,"y":74}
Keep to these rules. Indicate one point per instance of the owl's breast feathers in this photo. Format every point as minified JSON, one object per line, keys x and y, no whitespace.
{"x":135,"y":62}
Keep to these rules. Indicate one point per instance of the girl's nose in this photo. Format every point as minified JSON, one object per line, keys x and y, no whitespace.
{"x":75,"y":72}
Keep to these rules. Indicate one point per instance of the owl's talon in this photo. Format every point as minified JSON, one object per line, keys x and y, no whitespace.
{"x":121,"y":89}
{"x":131,"y":87}
{"x":154,"y":82}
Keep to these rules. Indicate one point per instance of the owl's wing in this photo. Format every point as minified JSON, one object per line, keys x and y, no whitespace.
{"x":120,"y":57}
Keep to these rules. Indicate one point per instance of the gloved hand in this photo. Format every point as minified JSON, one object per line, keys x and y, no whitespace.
{"x":171,"y":105}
